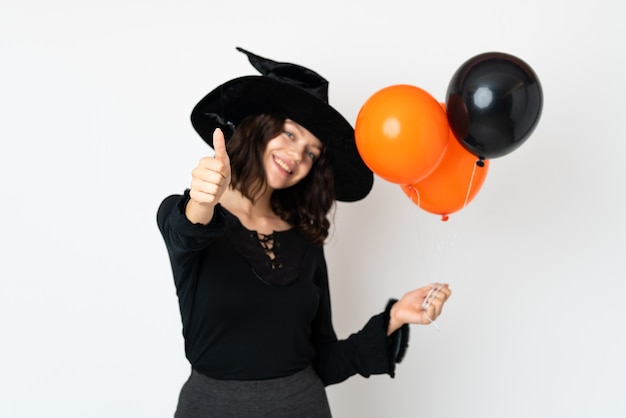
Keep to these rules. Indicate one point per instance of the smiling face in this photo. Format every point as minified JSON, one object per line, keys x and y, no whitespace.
{"x":289,"y":157}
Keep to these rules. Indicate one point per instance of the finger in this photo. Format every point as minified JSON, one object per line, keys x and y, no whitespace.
{"x":434,"y":306}
{"x":219,"y":145}
{"x":433,"y":290}
{"x":202,"y":196}
{"x":438,"y":305}
{"x":428,"y":298}
{"x":209,"y":165}
{"x":205,"y":188}
{"x":444,"y":292}
{"x":210,"y":169}
{"x":441,"y":301}
{"x":441,"y":292}
{"x":429,"y":315}
{"x":425,"y":291}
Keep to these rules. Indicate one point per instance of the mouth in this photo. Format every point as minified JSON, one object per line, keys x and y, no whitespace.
{"x":283,"y":165}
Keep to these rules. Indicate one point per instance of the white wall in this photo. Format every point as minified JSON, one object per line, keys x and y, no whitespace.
{"x":95,"y":102}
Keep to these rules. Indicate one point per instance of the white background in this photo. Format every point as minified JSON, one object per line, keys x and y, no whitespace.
{"x":95,"y":100}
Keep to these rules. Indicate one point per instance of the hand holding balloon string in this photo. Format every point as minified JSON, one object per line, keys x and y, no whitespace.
{"x":419,"y":306}
{"x":428,"y":300}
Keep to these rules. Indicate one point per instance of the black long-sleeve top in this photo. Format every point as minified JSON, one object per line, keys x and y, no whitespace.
{"x":246,"y":315}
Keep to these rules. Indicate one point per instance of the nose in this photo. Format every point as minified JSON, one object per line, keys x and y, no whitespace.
{"x":296,"y":153}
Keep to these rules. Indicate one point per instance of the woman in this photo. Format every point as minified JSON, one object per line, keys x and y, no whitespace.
{"x":246,"y":247}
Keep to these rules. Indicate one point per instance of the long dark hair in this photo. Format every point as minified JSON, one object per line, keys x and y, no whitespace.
{"x":305,"y":205}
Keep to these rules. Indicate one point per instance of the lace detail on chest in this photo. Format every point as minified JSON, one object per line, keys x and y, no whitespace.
{"x":274,"y":258}
{"x":268,"y":243}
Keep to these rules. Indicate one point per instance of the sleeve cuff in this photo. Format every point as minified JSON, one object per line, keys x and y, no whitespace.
{"x":398,"y":341}
{"x":216,"y":223}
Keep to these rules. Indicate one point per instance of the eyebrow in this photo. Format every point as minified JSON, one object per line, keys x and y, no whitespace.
{"x":300,"y":129}
{"x":294,"y":123}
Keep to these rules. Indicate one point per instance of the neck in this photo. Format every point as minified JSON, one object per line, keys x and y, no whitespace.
{"x":236,"y":202}
{"x":255,"y":216}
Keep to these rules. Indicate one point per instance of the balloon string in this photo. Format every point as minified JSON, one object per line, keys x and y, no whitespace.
{"x":440,"y":244}
{"x":417,"y":225}
{"x":428,"y":300}
{"x":434,"y":272}
{"x":441,"y":248}
{"x":462,"y":214}
{"x":469,"y":187}
{"x":437,"y":265}
{"x":439,"y":261}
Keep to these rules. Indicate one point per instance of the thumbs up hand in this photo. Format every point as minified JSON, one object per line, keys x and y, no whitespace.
{"x":209,"y":180}
{"x":219,"y":145}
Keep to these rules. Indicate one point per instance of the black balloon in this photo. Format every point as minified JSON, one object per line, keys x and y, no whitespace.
{"x":494,"y":102}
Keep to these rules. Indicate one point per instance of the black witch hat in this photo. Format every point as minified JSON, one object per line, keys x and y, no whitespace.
{"x":294,"y":92}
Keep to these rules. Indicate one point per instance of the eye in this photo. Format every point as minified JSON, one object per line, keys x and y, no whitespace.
{"x":311,"y":155}
{"x":289,"y":135}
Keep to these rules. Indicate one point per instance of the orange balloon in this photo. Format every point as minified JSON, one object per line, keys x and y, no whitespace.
{"x":452,"y":185}
{"x":401,"y":133}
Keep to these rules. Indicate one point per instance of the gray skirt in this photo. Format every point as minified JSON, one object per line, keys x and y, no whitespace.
{"x":300,"y":395}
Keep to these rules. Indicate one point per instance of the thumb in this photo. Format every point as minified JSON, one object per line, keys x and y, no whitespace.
{"x":219,"y":145}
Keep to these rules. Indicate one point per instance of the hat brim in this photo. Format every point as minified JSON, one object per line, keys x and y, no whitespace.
{"x":249,"y":95}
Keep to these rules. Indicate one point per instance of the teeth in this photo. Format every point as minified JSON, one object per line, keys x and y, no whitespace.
{"x":282,"y":164}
